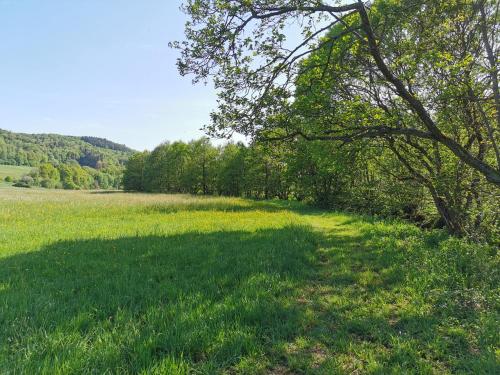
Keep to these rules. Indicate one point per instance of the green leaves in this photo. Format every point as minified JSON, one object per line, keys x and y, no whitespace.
{"x":409,"y":76}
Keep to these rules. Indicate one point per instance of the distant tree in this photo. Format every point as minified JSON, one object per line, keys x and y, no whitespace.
{"x":90,"y":159}
{"x":25,"y":181}
{"x":200,"y":173}
{"x":48,"y":171}
{"x":46,"y":175}
{"x":104,"y":143}
{"x":231,"y":169}
{"x":74,"y":177}
{"x":266,"y":171}
{"x":133,"y":176}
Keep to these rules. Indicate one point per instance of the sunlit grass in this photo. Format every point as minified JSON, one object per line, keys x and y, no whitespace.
{"x":131,"y":283}
{"x":13,"y":171}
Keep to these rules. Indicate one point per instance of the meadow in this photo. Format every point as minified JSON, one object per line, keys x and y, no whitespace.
{"x":13,"y":171}
{"x":110,"y":282}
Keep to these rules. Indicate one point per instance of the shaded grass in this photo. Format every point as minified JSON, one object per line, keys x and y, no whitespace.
{"x":97,"y":305}
{"x":136,"y":283}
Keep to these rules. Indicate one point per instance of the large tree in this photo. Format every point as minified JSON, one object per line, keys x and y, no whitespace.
{"x":349,"y":96}
{"x":413,"y":60}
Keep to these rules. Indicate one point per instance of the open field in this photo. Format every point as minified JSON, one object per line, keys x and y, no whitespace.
{"x":134,"y":283}
{"x":13,"y":171}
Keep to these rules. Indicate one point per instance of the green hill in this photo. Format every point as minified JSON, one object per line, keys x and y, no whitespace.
{"x":35,"y":149}
{"x":13,"y":171}
{"x":105,"y":143}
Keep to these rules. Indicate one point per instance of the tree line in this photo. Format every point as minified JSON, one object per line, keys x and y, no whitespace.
{"x":353,"y":177}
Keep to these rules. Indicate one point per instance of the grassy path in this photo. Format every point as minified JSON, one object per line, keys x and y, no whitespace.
{"x":125,"y":283}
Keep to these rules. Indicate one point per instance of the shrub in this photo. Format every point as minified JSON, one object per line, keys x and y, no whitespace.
{"x":21,"y":184}
{"x":48,"y":183}
{"x":8,"y":179}
{"x":26,"y":180}
{"x":70,"y":185}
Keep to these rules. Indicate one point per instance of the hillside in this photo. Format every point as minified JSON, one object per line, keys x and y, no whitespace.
{"x":35,"y":149}
{"x":105,"y":143}
{"x":14,"y":172}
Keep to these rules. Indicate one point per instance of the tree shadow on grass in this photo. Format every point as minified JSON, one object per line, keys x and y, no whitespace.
{"x":124,"y":305}
{"x":289,"y":300}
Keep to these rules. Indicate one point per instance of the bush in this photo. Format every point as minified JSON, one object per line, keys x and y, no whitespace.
{"x":48,"y":183}
{"x":26,"y":180}
{"x":22,"y":184}
{"x":70,"y":185}
{"x":8,"y":179}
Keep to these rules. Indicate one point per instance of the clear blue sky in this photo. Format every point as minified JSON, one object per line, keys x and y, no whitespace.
{"x":100,"y":68}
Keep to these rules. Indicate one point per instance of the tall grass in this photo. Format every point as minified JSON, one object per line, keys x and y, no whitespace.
{"x":137,"y":283}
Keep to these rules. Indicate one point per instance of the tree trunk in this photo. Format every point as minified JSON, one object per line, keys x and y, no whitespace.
{"x":447,"y":214}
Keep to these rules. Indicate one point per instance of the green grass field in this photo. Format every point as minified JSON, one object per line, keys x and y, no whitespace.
{"x":13,"y":171}
{"x":133,"y":283}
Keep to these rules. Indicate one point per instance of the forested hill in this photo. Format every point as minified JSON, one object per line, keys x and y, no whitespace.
{"x":36,"y":149}
{"x":105,"y":143}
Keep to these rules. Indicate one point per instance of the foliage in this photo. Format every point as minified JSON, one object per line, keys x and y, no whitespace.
{"x":408,"y":60}
{"x":411,"y":84}
{"x":343,"y":93}
{"x":354,"y":177}
{"x":133,"y":176}
{"x":198,"y":167}
{"x":64,"y":161}
{"x":24,"y":182}
{"x":104,"y":143}
{"x":231,"y":174}
{"x":69,"y":176}
{"x":145,"y":283}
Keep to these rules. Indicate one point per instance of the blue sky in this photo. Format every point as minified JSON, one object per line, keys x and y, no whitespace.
{"x":100,"y":68}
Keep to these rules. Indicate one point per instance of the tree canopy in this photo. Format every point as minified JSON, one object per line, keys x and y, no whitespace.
{"x":409,"y":63}
{"x":409,"y":87}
